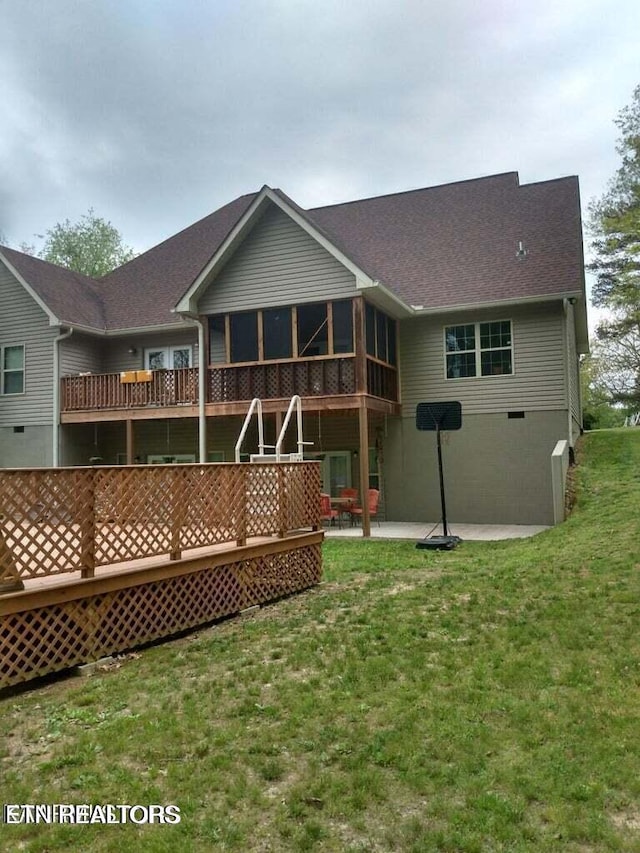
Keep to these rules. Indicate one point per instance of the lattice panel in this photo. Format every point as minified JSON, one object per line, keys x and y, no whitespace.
{"x":48,"y":639}
{"x":56,"y":521}
{"x":282,"y":574}
{"x":215,"y":386}
{"x":263,"y":500}
{"x":40,"y":641}
{"x":134,"y":512}
{"x":45,"y":518}
{"x":258,"y":381}
{"x":243,"y":385}
{"x":212,"y":506}
{"x":273,"y":381}
{"x":302,"y":491}
{"x":287,"y":381}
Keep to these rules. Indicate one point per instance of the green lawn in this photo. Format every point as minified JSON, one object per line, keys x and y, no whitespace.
{"x":483,"y":699}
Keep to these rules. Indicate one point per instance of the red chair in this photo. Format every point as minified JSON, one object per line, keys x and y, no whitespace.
{"x":327,"y":512}
{"x":373,"y":496}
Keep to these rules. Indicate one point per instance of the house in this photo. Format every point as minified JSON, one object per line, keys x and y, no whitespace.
{"x":470,"y":291}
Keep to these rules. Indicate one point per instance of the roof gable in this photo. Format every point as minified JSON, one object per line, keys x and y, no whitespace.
{"x":67,"y":297}
{"x":244,"y":225}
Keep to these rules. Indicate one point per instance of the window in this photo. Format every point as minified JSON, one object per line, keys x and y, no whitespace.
{"x":276,"y":332}
{"x":342,"y":312}
{"x":374,"y":470}
{"x":270,"y":334}
{"x":380,"y":334}
{"x":244,"y":336}
{"x":479,"y":349}
{"x":313,"y":331}
{"x":217,"y":347}
{"x":12,"y":369}
{"x":167,"y":358}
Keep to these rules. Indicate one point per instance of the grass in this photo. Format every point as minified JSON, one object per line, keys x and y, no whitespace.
{"x":485,"y":699}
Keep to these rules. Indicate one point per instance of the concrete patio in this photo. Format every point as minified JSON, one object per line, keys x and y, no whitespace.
{"x":413,"y":530}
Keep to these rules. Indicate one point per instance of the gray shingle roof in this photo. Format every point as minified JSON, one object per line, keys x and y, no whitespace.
{"x":450,"y":245}
{"x":143,"y":292}
{"x":456,"y":244}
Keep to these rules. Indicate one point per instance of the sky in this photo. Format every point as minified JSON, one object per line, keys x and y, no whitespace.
{"x":154,"y":113}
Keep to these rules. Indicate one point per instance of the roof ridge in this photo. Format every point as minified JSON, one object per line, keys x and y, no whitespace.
{"x":419,"y":190}
{"x":550,"y":181}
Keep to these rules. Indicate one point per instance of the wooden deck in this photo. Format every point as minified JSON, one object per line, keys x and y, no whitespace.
{"x":323,"y":377}
{"x":109,"y":563}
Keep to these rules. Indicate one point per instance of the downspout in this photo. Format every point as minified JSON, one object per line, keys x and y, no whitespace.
{"x":56,"y":395}
{"x":202,"y":388}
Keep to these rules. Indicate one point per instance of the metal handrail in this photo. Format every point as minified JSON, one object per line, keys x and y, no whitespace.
{"x":256,"y":403}
{"x":297,"y":402}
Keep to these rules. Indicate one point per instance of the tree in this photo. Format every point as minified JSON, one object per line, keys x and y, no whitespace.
{"x":615,"y":224}
{"x":596,"y":382}
{"x":91,"y":246}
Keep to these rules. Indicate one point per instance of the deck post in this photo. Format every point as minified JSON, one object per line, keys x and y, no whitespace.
{"x":88,"y":531}
{"x":9,"y":578}
{"x":177,"y":514}
{"x":241,"y":501}
{"x":282,"y":500}
{"x":129,"y":441}
{"x":360,"y":346}
{"x":363,"y":423}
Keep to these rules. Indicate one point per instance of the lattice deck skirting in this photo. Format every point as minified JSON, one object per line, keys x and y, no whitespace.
{"x":49,"y":629}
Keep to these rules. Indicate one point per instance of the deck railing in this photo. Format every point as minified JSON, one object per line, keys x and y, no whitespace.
{"x":109,"y":391}
{"x":317,"y":377}
{"x":382,"y":380}
{"x":282,"y":379}
{"x":55,"y":521}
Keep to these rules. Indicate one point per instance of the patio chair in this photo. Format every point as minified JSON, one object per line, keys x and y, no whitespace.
{"x":373,"y":496}
{"x":348,"y":499}
{"x":327,"y":512}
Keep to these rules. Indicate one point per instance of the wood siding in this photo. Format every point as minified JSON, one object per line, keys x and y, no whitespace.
{"x":277,"y":264}
{"x":537,"y":383}
{"x":22,"y":321}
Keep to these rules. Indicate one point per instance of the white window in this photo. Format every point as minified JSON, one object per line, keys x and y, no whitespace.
{"x":478,"y":349}
{"x":12,"y":369}
{"x":168,"y":358}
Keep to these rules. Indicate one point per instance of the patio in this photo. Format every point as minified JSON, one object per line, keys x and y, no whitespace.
{"x":414,"y":530}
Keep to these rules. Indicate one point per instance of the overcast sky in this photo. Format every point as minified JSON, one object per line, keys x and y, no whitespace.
{"x":156,"y":112}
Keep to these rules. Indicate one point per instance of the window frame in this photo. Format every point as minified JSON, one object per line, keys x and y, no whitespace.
{"x":169,"y":352}
{"x":478,"y":350}
{"x":4,"y":371}
{"x":293,"y":308}
{"x":374,"y":317}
